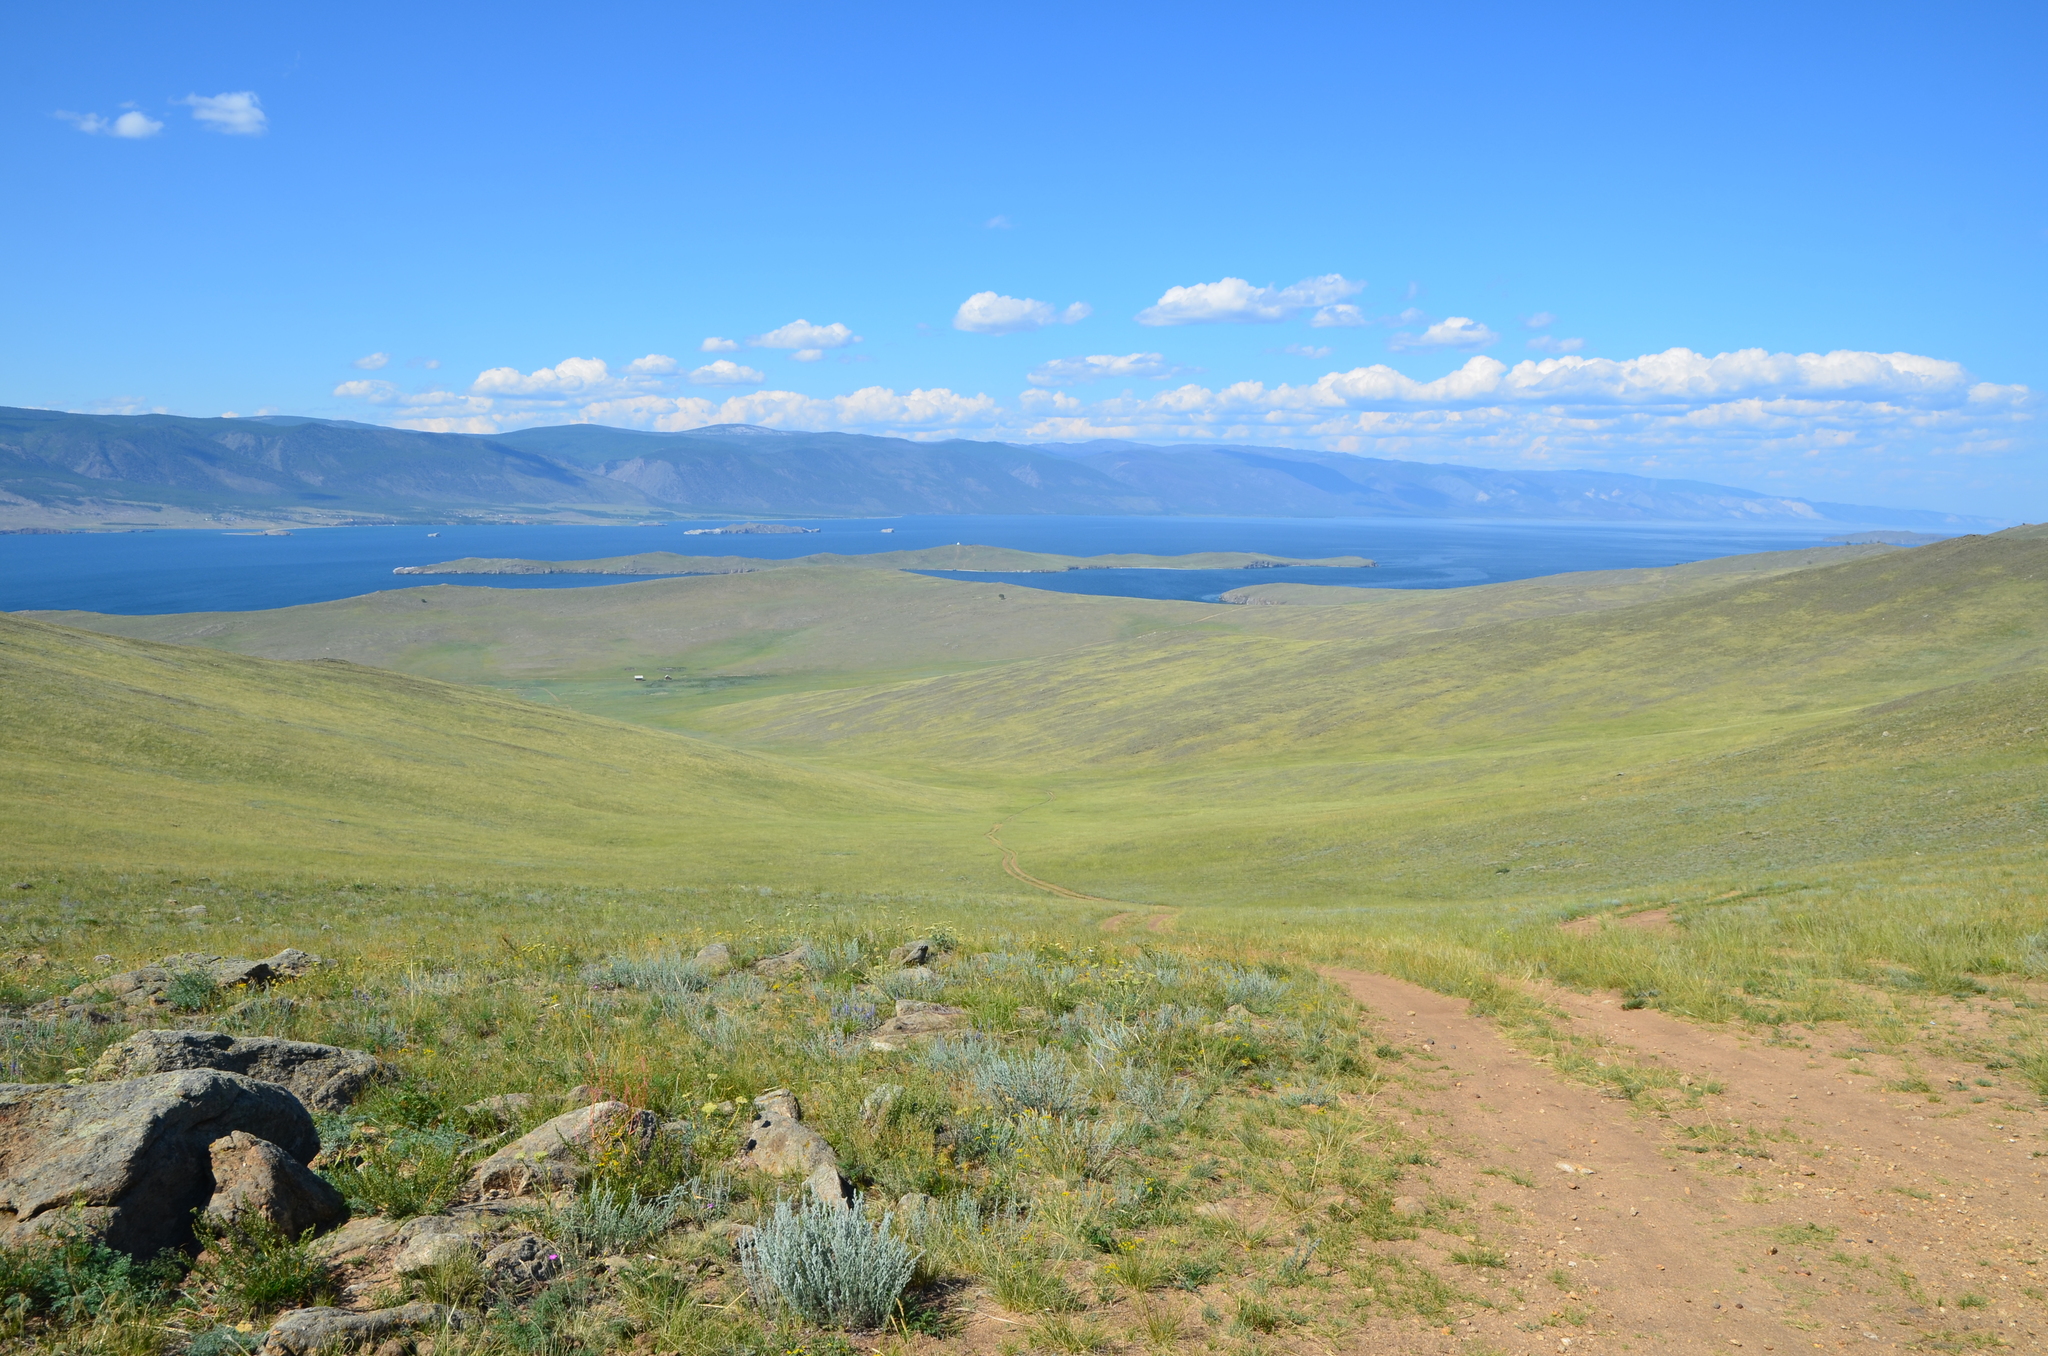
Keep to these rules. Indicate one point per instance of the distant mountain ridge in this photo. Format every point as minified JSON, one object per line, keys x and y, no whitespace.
{"x":61,"y":469}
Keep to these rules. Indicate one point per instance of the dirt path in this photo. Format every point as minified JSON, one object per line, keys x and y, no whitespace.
{"x":1010,"y":865}
{"x":1793,"y":1211}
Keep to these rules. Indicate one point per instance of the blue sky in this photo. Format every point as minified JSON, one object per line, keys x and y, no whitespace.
{"x":1801,"y":248}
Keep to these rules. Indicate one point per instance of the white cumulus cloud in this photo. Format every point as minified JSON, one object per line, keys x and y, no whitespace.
{"x":1234,"y":300}
{"x":133,"y":125}
{"x":1541,"y":320}
{"x":1456,"y":332}
{"x":1341,"y":316}
{"x":806,"y":337}
{"x":370,"y":362}
{"x":238,"y":114}
{"x":653,"y":365}
{"x":726,"y":372}
{"x":993,"y":313}
{"x":714,"y":344}
{"x":1098,"y":366}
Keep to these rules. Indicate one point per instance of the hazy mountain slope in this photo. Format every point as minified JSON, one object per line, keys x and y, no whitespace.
{"x":1214,"y":479}
{"x":307,"y":468}
{"x":57,"y":467}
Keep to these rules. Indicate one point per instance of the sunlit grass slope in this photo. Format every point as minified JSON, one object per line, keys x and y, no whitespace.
{"x":1730,"y":731}
{"x":719,"y":636}
{"x":126,"y":751}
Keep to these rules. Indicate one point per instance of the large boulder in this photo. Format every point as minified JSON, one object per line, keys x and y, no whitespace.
{"x":325,"y":1077}
{"x":554,"y":1152}
{"x":253,"y":1177}
{"x":308,"y":1332}
{"x":135,"y":1155}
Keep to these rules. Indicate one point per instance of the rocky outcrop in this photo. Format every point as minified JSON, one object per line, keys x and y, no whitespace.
{"x":309,"y":1332}
{"x":915,"y":1021}
{"x":552,"y":1154}
{"x":325,"y":1077}
{"x":146,"y":987}
{"x":134,"y":1155}
{"x":788,"y":963}
{"x":780,"y":1144}
{"x":253,"y":1177}
{"x":523,"y":1264}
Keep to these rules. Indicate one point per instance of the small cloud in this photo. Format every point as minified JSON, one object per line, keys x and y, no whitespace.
{"x":998,"y":223}
{"x":1235,"y":301}
{"x":370,"y":362}
{"x":994,"y":313}
{"x":1540,"y":320}
{"x":1342,"y":315}
{"x":653,"y":365}
{"x":803,"y":335}
{"x":714,"y":344}
{"x":1414,"y":291}
{"x":238,"y":115}
{"x":808,"y":355}
{"x":1546,"y":343}
{"x":1457,"y":332}
{"x":726,"y":372}
{"x":1081,"y":371}
{"x":130,"y":126}
{"x":430,"y":364}
{"x":1308,"y":350}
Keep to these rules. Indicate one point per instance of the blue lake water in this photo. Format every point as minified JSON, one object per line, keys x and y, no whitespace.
{"x":191,"y":571}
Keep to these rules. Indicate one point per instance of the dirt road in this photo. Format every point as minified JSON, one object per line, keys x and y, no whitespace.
{"x":1803,"y":1207}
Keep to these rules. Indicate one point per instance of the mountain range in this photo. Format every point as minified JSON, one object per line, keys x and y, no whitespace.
{"x":60,"y":469}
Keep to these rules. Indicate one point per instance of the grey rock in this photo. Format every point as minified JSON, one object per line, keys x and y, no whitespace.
{"x":325,"y":1077}
{"x":788,"y":963}
{"x":253,"y":1177}
{"x":429,"y":1242}
{"x":1409,"y":1207}
{"x":145,"y":987}
{"x":784,"y":1147}
{"x":504,"y":1108}
{"x":911,"y":1204}
{"x":875,"y":1107}
{"x":355,"y":1241}
{"x":828,"y":1188}
{"x":553,"y":1153}
{"x":714,"y":959}
{"x":308,"y":1332}
{"x":523,"y":1263}
{"x":919,"y":952}
{"x":915,"y":1021}
{"x":135,"y":1153}
{"x":779,"y":1102}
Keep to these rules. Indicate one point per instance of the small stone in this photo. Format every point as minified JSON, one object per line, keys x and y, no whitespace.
{"x":395,"y":1346}
{"x":779,"y":1102}
{"x":308,"y":1332}
{"x":911,"y":1204}
{"x":788,"y":963}
{"x":505,"y":1108}
{"x":913,"y":953}
{"x":553,"y":1153}
{"x":875,"y":1107}
{"x":254,"y":1178}
{"x":914,"y":1021}
{"x":828,"y":1188}
{"x":1409,"y":1207}
{"x":714,"y":959}
{"x":102,"y":960}
{"x":523,"y":1263}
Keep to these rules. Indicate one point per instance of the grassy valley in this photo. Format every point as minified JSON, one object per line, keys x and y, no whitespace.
{"x":1317,"y":910}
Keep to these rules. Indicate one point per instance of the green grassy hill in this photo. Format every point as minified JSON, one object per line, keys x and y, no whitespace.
{"x":126,"y":752}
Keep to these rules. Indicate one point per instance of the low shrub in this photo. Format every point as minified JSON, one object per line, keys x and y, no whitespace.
{"x":827,"y":1265}
{"x":251,"y":1269}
